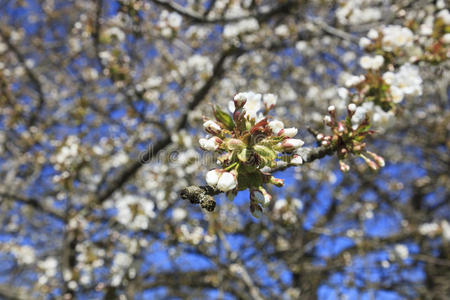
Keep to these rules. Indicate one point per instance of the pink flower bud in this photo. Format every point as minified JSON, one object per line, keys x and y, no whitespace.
{"x":320,"y":136}
{"x":276,"y":181}
{"x":291,"y":144}
{"x":370,"y":162}
{"x":240,"y":100}
{"x":378,"y":159}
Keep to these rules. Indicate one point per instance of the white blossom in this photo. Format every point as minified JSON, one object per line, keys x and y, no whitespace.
{"x":401,"y":252}
{"x":352,"y":107}
{"x":373,"y":63}
{"x":297,"y":160}
{"x":270,"y":100}
{"x":227,"y":182}
{"x":210,"y":144}
{"x":248,"y":25}
{"x":429,"y":229}
{"x":395,"y":36}
{"x":276,"y":126}
{"x":408,"y":80}
{"x":178,"y":214}
{"x":372,"y":34}
{"x":290,"y":132}
{"x":212,"y":177}
{"x":445,"y":16}
{"x":174,"y":20}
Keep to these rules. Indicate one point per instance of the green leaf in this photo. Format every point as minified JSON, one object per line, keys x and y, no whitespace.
{"x":224,"y":118}
{"x":265,"y":152}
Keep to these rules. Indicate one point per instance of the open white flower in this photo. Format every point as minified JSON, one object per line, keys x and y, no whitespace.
{"x":395,"y":36}
{"x":396,"y":94}
{"x":373,"y":63}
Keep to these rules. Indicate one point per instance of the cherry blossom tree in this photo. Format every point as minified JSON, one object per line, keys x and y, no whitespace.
{"x":313,"y":135}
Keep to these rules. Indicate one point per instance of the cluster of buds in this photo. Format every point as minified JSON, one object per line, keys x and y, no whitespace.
{"x":348,"y":138}
{"x":249,"y":144}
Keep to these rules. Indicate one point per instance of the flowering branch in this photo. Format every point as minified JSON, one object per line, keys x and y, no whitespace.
{"x":203,"y":194}
{"x":252,"y":146}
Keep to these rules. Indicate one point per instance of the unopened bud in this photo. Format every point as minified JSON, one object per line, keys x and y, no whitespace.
{"x":327,"y":120}
{"x":325,"y":143}
{"x":351,"y":107}
{"x":212,"y":127}
{"x":227,"y":181}
{"x":378,"y":159}
{"x":276,"y":126}
{"x":319,"y":136}
{"x":240,"y":100}
{"x":370,"y":163}
{"x":297,"y":160}
{"x":331,"y":109}
{"x":341,"y":127}
{"x":343,"y":166}
{"x":212,"y":177}
{"x":269,"y":101}
{"x":276,"y":181}
{"x":233,"y":144}
{"x":290,"y":132}
{"x":291,"y":144}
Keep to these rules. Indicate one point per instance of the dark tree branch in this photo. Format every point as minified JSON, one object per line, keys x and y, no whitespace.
{"x":131,"y":169}
{"x":35,"y":203}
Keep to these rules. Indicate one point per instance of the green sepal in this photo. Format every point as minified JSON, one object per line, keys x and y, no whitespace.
{"x":243,"y":155}
{"x":265,"y":152}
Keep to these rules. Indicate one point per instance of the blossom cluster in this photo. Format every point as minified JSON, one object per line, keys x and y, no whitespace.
{"x":348,"y":137}
{"x":249,"y":142}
